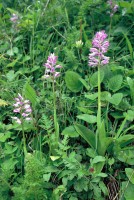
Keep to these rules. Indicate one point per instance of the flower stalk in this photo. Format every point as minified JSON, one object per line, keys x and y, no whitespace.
{"x":23,"y":109}
{"x":99,"y":99}
{"x":52,"y":73}
{"x":55,"y":115}
{"x":97,"y":58}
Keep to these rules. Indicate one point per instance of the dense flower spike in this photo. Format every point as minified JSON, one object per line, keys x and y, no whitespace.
{"x":22,"y":107}
{"x":114,"y":7}
{"x":99,"y":47}
{"x":51,"y":67}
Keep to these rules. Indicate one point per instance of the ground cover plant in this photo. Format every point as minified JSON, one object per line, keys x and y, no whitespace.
{"x":66,"y":100}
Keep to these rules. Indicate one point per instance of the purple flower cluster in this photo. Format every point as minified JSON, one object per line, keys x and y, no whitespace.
{"x":22,"y":107}
{"x":51,"y":67}
{"x":113,"y":7}
{"x":14,"y":18}
{"x":99,"y":47}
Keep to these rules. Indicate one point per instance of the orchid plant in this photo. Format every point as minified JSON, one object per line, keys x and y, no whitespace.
{"x":52,"y":73}
{"x":114,"y":7}
{"x":97,"y":58}
{"x":100,"y":141}
{"x":23,"y":108}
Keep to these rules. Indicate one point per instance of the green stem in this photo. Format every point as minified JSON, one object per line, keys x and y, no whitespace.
{"x":110,"y":27}
{"x":24,"y":139}
{"x":66,"y":14}
{"x":107,"y":124}
{"x":99,"y":100}
{"x":99,"y":108}
{"x":55,"y":114}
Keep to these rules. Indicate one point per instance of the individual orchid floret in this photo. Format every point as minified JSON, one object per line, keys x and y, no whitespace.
{"x":114,"y":7}
{"x":23,"y":108}
{"x":50,"y":71}
{"x":99,"y":47}
{"x":14,"y":18}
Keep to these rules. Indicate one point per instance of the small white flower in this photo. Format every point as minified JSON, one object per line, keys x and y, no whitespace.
{"x":79,"y":44}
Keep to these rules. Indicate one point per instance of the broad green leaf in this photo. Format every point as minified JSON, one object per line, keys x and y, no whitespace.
{"x":34,"y":68}
{"x":103,"y":140}
{"x":84,"y":83}
{"x":102,"y":131}
{"x":9,"y":164}
{"x":73,"y":82}
{"x":58,"y":191}
{"x":129,"y":115}
{"x":91,"y":119}
{"x":11,"y":75}
{"x":97,"y":191}
{"x":64,"y":181}
{"x":26,"y":58}
{"x":92,"y":96}
{"x":98,"y":159}
{"x":15,"y":50}
{"x":46,"y":177}
{"x":85,"y":110}
{"x":12,"y":51}
{"x":106,"y":143}
{"x":129,"y":45}
{"x":53,"y":158}
{"x":126,"y":155}
{"x":30,"y":93}
{"x":127,"y":6}
{"x":115,"y":99}
{"x":117,"y":115}
{"x":9,"y":149}
{"x":70,"y":131}
{"x":81,"y":184}
{"x":13,"y":63}
{"x":73,"y":198}
{"x":125,"y":138}
{"x":91,"y":153}
{"x":87,"y":134}
{"x":111,"y":161}
{"x":11,"y":10}
{"x":102,"y":175}
{"x":105,"y":95}
{"x":103,"y":188}
{"x":130,"y":174}
{"x":128,"y":190}
{"x":51,"y":168}
{"x":20,"y":37}
{"x":4,"y":137}
{"x":115,"y":83}
{"x":98,"y":164}
{"x":1,"y":6}
{"x":131,"y":85}
{"x":94,"y":78}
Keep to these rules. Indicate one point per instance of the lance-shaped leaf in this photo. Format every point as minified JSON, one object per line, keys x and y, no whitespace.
{"x":103,"y":140}
{"x":86,"y":133}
